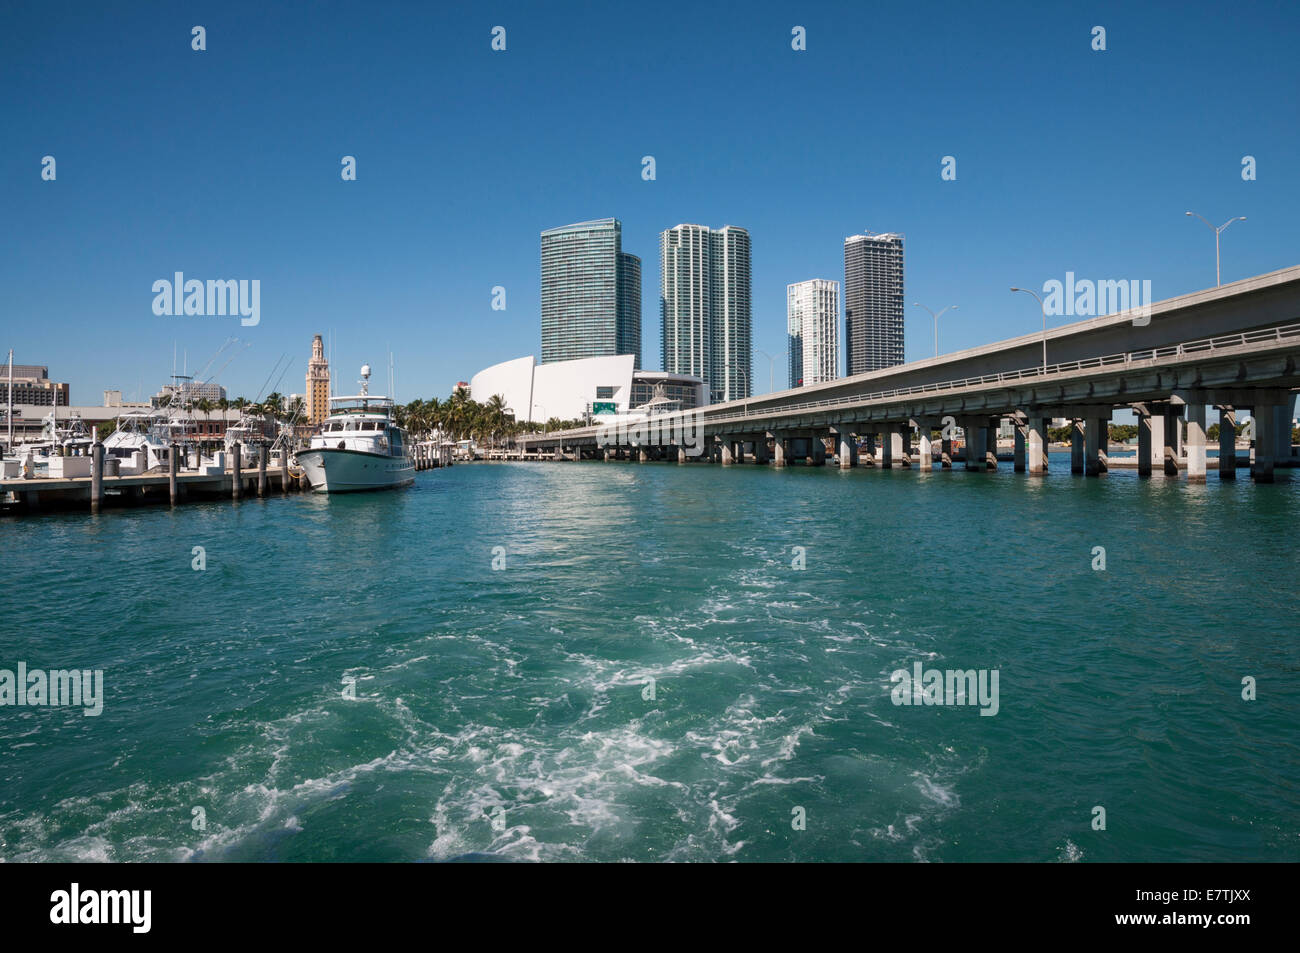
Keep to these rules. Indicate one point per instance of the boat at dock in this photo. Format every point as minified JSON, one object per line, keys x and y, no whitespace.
{"x":359,"y":446}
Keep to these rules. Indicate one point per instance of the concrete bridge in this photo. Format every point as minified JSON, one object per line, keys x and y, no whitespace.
{"x":1236,"y":348}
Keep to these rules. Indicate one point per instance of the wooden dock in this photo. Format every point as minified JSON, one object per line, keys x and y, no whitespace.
{"x":177,"y":486}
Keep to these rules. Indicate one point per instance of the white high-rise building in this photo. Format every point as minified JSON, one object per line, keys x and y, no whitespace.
{"x":813,"y":313}
{"x":705,"y":307}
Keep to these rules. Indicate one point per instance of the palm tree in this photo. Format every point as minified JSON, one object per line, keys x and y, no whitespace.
{"x":204,"y":406}
{"x":495,"y":412}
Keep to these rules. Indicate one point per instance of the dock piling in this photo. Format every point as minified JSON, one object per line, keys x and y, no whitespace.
{"x":173,"y":462}
{"x":96,"y":476}
{"x":261,"y":471}
{"x":237,"y":486}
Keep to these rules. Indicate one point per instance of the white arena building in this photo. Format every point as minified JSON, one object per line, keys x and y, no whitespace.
{"x":601,"y":387}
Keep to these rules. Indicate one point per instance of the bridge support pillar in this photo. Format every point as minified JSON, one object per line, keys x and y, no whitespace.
{"x":974,"y":435}
{"x":761,"y":454}
{"x":1076,"y":446}
{"x":1173,"y":444}
{"x":1097,"y":433}
{"x":945,"y":451}
{"x":1196,"y":443}
{"x":1022,"y":440}
{"x":1145,"y":442}
{"x":905,"y":446}
{"x":1227,"y":444}
{"x":1037,"y":447}
{"x":778,"y":450}
{"x":926,"y":449}
{"x":990,"y":448}
{"x":887,"y":438}
{"x":845,"y":446}
{"x":1261,"y":469}
{"x":870,"y":440}
{"x":1282,"y":414}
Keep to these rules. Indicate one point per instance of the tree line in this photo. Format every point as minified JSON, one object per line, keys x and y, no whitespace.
{"x":460,"y":417}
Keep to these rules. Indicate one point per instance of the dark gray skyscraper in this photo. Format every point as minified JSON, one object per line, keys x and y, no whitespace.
{"x":873,"y":302}
{"x":591,"y":293}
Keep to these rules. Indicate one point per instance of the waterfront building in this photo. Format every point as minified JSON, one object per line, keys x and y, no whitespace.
{"x":188,"y":391}
{"x":32,"y":385}
{"x":873,"y":302}
{"x":813,"y":320}
{"x":705,"y":305}
{"x":318,"y":383}
{"x":591,"y":293}
{"x":588,"y":387}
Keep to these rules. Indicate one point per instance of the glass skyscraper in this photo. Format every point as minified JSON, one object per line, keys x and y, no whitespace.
{"x":705,"y":307}
{"x":591,"y":293}
{"x":873,"y":302}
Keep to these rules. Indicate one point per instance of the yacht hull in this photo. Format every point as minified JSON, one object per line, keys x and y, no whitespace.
{"x":354,"y":471}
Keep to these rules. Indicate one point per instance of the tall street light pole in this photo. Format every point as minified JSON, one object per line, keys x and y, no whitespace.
{"x":1217,"y":232}
{"x":771,"y":367}
{"x":951,"y":307}
{"x":1042,"y":308}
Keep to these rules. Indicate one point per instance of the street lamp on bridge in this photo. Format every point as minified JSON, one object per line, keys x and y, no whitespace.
{"x":1217,"y":232}
{"x":951,"y":307}
{"x":771,"y":367}
{"x":1043,"y":308}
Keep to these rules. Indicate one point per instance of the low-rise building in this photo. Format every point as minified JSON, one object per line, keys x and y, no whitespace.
{"x":591,"y":387}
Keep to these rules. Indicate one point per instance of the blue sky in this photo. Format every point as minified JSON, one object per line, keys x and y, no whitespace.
{"x":225,"y":164}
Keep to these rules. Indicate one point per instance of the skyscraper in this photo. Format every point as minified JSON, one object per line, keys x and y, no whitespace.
{"x":813,"y":313}
{"x":628,"y":327}
{"x":591,"y":300}
{"x":873,"y":302}
{"x":705,"y":307}
{"x":318,"y":383}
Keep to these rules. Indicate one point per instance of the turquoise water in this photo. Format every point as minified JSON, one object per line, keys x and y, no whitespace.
{"x":506,"y":712}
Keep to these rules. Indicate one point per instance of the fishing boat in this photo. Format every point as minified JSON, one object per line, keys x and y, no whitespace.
{"x":139,"y":443}
{"x":359,"y":446}
{"x":70,"y":439}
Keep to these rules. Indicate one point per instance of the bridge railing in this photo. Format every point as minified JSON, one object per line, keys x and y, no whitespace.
{"x":1239,"y":339}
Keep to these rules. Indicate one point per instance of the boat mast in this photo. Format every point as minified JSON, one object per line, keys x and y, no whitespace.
{"x":9,"y":447}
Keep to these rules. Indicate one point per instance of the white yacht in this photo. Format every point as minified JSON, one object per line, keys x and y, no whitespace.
{"x":359,"y":446}
{"x":138,"y":444}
